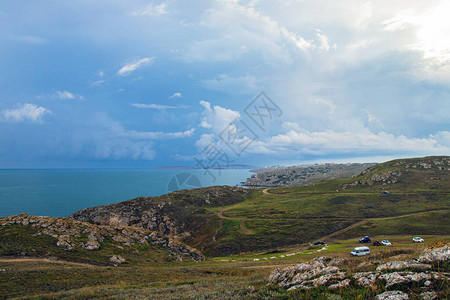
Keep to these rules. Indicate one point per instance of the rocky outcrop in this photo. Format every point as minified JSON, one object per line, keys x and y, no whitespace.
{"x":179,"y":214}
{"x":117,"y":259}
{"x":72,"y":234}
{"x":436,"y":253}
{"x":307,"y":275}
{"x":402,"y":265}
{"x":323,"y":272}
{"x":406,"y":277}
{"x":385,"y":178}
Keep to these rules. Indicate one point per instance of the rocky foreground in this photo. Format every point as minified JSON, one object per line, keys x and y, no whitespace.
{"x":75,"y":235}
{"x":395,"y":279}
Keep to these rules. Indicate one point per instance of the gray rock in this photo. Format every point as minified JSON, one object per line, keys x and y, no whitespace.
{"x":402,"y":265}
{"x":117,"y":259}
{"x":405,"y":277}
{"x":392,"y":295}
{"x":435,"y":254}
{"x":91,"y":245}
{"x":339,"y":285}
{"x":428,"y":296}
{"x":366,"y":279}
{"x":65,"y":242}
{"x":306,"y":275}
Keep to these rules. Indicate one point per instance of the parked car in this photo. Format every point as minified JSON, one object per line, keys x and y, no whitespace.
{"x":377,"y":243}
{"x":360,"y":251}
{"x":385,"y":192}
{"x":365,"y":239}
{"x":418,"y":240}
{"x":319,"y":243}
{"x":386,"y":243}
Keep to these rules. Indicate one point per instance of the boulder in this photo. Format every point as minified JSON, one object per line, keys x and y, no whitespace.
{"x":117,"y":259}
{"x":306,"y":275}
{"x":402,"y":265}
{"x":435,"y":254}
{"x":428,"y":295}
{"x":392,"y":295}
{"x":365,"y":279}
{"x":341,"y":284}
{"x":405,"y":277}
{"x":65,"y":242}
{"x":91,"y":245}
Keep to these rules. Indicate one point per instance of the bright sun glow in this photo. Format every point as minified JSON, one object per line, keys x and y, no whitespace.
{"x":434,"y":32}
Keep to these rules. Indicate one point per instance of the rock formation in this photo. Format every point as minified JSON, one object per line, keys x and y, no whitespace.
{"x":71,"y":234}
{"x":324,"y":272}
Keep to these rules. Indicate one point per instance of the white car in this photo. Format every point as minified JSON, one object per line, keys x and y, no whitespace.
{"x":360,"y":251}
{"x":418,"y":240}
{"x":385,"y":243}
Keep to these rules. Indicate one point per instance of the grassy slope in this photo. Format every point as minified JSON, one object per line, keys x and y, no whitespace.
{"x":18,"y":239}
{"x":302,"y":214}
{"x":238,"y":277}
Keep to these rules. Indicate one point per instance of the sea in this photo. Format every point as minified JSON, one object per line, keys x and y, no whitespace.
{"x":58,"y":193}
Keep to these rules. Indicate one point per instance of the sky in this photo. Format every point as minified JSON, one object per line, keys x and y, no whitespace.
{"x":112,"y":84}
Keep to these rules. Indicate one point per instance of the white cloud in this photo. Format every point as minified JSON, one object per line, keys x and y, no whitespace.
{"x":67,"y":95}
{"x":152,"y":10}
{"x":241,"y":29}
{"x":155,"y":106}
{"x":64,"y":95}
{"x":98,"y":82}
{"x":176,"y":95}
{"x":205,"y":140}
{"x":160,"y":135}
{"x":333,"y":143}
{"x":26,"y":112}
{"x":133,"y":66}
{"x":430,"y":27}
{"x":217,"y":118}
{"x":322,"y":39}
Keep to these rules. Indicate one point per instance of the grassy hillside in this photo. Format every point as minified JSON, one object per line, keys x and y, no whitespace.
{"x":418,"y":202}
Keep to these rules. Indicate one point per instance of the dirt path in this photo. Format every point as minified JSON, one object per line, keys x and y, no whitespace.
{"x":375,"y":219}
{"x":266,"y":192}
{"x":266,"y":266}
{"x":243,"y":227}
{"x":46,"y":260}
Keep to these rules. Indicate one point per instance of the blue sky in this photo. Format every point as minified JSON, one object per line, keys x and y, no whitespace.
{"x":155,"y":83}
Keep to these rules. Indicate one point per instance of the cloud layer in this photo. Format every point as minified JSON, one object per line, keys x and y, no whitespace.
{"x":158,"y":81}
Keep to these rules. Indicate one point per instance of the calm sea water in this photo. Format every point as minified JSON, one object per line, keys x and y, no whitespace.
{"x":58,"y":193}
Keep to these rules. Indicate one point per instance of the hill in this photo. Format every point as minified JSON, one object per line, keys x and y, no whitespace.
{"x":301,"y":175}
{"x":63,"y":238}
{"x":239,"y":220}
